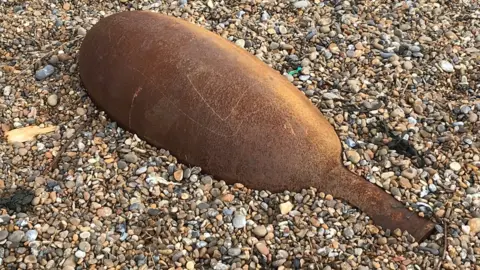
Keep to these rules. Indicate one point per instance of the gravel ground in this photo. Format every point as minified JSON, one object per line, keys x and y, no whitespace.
{"x":397,"y":79}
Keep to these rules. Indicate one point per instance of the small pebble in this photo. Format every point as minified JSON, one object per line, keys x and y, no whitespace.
{"x":455,"y":166}
{"x":286,"y":207}
{"x":239,"y":221}
{"x":52,"y":100}
{"x":446,"y":66}
{"x":16,"y":236}
{"x":301,"y":4}
{"x":130,"y":157}
{"x":80,"y":254}
{"x":260,"y":231}
{"x":44,"y":72}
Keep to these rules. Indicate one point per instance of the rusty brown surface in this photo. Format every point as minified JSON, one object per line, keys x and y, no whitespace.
{"x":214,"y":105}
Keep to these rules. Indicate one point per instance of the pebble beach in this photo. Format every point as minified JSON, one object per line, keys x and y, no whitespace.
{"x":398,"y":79}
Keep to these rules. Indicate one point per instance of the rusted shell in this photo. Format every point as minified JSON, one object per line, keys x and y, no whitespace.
{"x":214,"y":105}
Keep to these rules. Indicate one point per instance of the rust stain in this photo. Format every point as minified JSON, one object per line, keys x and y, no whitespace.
{"x":214,"y":105}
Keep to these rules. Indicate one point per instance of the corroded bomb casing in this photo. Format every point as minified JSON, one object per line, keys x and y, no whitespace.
{"x":213,"y":104}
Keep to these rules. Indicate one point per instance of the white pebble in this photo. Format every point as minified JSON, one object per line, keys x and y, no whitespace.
{"x":286,"y":207}
{"x":301,"y":4}
{"x":240,"y":43}
{"x":7,"y":90}
{"x":52,"y":100}
{"x":455,"y":166}
{"x":81,"y":31}
{"x":80,"y":254}
{"x":446,"y":66}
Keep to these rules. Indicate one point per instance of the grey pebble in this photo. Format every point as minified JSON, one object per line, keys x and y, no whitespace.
{"x":121,"y":164}
{"x":465,"y":109}
{"x":84,"y":246}
{"x":234,"y":252}
{"x":278,"y":263}
{"x":328,"y":54}
{"x":441,"y":128}
{"x":414,"y":48}
{"x":70,"y":184}
{"x":260,"y":231}
{"x":239,"y":221}
{"x":81,"y":31}
{"x":387,"y":55}
{"x":187,"y":173}
{"x":206,"y":180}
{"x":471,"y":190}
{"x":16,"y":236}
{"x":4,"y":219}
{"x":141,"y":170}
{"x":53,"y":60}
{"x":177,"y":255}
{"x":405,"y":27}
{"x":472,"y":117}
{"x":154,"y":211}
{"x":203,"y":205}
{"x":348,"y":232}
{"x":274,"y":45}
{"x":131,"y":157}
{"x":44,"y":72}
{"x":32,"y":235}
{"x":193,"y":178}
{"x":3,"y":235}
{"x":430,"y":250}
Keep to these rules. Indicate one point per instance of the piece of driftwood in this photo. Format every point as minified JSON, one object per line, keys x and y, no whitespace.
{"x":213,"y":104}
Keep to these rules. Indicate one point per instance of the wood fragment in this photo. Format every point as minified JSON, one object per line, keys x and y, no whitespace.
{"x":445,"y":244}
{"x":55,"y":161}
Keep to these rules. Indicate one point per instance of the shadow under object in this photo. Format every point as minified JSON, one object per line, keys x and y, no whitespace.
{"x":19,"y":200}
{"x":213,"y":104}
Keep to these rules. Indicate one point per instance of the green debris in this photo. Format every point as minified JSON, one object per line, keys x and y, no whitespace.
{"x":295,"y":71}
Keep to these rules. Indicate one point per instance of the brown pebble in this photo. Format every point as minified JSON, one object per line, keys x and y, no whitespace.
{"x":262,"y":248}
{"x":178,"y":175}
{"x":405,"y":183}
{"x":382,"y":240}
{"x":228,"y":197}
{"x":440,"y":213}
{"x":53,"y":196}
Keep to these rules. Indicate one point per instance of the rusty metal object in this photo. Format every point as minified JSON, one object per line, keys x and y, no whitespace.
{"x":214,"y":105}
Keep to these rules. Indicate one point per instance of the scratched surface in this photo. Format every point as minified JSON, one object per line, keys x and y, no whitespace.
{"x":214,"y":105}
